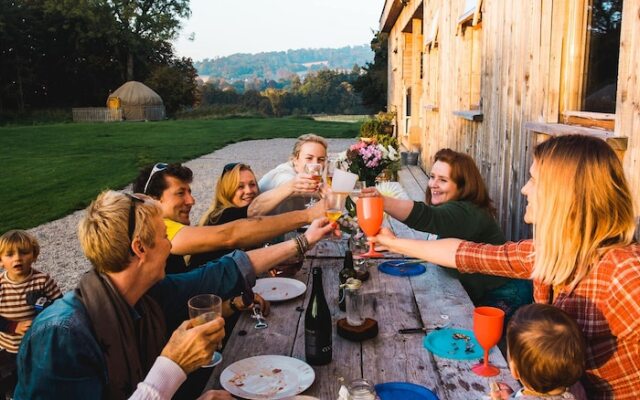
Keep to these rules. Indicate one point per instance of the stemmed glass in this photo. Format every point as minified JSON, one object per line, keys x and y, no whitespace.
{"x":487,"y":327}
{"x":334,"y":202}
{"x":315,"y":170}
{"x":204,"y":308}
{"x":370,"y":211}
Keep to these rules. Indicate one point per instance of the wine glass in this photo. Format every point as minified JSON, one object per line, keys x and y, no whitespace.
{"x":487,"y":327}
{"x":357,"y":190}
{"x":332,"y":165}
{"x":204,"y":308}
{"x":334,"y":202}
{"x":370,"y":212}
{"x":315,"y":170}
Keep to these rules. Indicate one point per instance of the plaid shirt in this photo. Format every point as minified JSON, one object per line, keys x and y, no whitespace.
{"x":606,"y":305}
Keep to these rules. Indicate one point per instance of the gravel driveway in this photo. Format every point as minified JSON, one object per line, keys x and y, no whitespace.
{"x":60,"y":254}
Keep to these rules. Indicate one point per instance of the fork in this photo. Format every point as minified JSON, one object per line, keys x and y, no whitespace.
{"x":261,"y":322}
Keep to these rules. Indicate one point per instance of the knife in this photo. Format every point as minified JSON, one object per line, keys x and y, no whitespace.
{"x":413,"y":330}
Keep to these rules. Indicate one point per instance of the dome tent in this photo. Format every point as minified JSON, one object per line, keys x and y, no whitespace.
{"x":137,"y":101}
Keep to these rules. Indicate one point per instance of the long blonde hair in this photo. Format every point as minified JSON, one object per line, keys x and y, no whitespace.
{"x":223,"y":196}
{"x":583,"y":208}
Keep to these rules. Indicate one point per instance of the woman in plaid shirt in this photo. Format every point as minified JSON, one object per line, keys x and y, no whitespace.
{"x":582,"y":258}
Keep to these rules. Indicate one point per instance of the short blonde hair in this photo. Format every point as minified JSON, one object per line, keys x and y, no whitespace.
{"x":104,"y":230}
{"x":223,"y":196}
{"x":583,"y":208}
{"x":19,"y":240}
{"x":306,"y":138}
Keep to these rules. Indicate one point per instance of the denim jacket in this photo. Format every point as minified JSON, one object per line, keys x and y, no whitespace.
{"x":60,"y":357}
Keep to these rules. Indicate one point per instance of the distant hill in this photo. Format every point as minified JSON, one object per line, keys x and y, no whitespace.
{"x":282,"y":64}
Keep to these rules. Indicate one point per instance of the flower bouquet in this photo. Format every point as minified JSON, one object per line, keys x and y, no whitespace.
{"x":368,"y":159}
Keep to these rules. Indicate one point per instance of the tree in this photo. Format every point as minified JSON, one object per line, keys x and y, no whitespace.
{"x":372,"y":85}
{"x":175,"y":83}
{"x":141,"y":22}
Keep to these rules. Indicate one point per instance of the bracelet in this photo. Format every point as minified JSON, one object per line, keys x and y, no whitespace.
{"x":298,"y":246}
{"x":302,"y":243}
{"x":233,"y":306}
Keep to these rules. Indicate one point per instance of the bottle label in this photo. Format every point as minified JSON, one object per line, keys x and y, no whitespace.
{"x":315,"y":343}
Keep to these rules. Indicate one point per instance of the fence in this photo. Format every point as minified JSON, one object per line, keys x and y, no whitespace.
{"x":96,"y":114}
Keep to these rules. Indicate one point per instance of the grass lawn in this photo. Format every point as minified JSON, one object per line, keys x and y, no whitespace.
{"x":49,"y":171}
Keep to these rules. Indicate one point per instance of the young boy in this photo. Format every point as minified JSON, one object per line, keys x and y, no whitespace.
{"x":546,"y":352}
{"x":23,"y":292}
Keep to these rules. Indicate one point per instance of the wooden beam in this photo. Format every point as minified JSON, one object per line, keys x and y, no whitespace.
{"x":545,"y":131}
{"x":469,"y":115}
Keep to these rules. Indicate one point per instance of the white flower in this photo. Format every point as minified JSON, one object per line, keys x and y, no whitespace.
{"x":342,"y":156}
{"x":384,"y":151}
{"x":393,"y":154}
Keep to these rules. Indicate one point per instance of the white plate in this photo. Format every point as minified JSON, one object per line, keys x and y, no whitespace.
{"x":279,"y":289}
{"x":267,"y":377}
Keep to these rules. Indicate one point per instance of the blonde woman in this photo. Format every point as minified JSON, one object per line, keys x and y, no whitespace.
{"x":284,"y":188}
{"x":582,"y":258}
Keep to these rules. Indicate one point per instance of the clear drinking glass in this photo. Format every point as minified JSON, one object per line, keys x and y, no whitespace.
{"x":362,"y":389}
{"x":315,"y":170}
{"x":354,"y":304}
{"x":204,"y":308}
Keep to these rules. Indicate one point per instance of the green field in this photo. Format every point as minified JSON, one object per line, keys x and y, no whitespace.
{"x":49,"y":171}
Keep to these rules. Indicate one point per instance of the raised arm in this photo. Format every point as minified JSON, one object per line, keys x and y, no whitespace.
{"x":241,"y":233}
{"x":266,"y":258}
{"x":301,"y":184}
{"x":441,"y":252}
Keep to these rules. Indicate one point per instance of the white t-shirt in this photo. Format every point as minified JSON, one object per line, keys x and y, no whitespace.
{"x":278,"y":176}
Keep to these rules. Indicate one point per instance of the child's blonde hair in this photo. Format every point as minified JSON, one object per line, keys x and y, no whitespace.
{"x":19,"y":240}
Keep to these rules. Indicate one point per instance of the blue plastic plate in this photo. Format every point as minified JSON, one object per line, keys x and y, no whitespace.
{"x":442,"y":343}
{"x":404,"y":391}
{"x":389,"y":267}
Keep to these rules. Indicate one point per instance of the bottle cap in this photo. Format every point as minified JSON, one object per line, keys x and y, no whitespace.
{"x":352,"y":284}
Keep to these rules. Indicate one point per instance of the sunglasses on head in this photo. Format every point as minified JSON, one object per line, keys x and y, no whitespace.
{"x":132,"y":217}
{"x":229,"y":167}
{"x":159,"y":167}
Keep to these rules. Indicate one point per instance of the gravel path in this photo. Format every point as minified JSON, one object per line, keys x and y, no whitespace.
{"x":60,"y":254}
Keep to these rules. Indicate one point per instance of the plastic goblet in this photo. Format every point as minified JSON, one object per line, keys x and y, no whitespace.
{"x":487,"y":327}
{"x":370,"y":211}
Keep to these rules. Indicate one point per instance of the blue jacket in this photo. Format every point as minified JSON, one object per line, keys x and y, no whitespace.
{"x":59,"y":356}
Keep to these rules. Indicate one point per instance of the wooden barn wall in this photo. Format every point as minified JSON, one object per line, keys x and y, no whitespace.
{"x":628,"y":96}
{"x":512,"y":60}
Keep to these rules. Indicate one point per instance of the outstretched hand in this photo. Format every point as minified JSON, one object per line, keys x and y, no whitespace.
{"x":384,"y":239}
{"x":192,"y":346}
{"x":319,"y":228}
{"x":303,"y":184}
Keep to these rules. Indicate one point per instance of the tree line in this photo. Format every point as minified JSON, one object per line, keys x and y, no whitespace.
{"x":64,"y":53}
{"x":73,"y":53}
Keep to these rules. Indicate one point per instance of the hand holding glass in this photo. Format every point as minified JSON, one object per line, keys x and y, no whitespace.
{"x":204,"y":308}
{"x":315,"y":170}
{"x":487,"y":327}
{"x":370,"y":211}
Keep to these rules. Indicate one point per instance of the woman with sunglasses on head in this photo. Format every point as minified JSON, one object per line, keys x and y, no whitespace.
{"x":583,"y":257}
{"x":458,"y":205}
{"x":235,"y":190}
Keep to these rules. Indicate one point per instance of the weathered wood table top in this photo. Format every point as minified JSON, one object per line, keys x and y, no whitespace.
{"x":430,"y":300}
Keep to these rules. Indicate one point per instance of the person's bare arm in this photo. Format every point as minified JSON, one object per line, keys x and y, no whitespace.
{"x":397,"y":208}
{"x":241,"y":233}
{"x":441,"y":252}
{"x":266,"y":258}
{"x":264,"y":203}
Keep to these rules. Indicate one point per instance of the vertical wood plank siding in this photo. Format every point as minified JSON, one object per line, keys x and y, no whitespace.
{"x":512,"y":61}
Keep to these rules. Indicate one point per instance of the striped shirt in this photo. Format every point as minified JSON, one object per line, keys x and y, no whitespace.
{"x":13,"y":302}
{"x":605,"y":304}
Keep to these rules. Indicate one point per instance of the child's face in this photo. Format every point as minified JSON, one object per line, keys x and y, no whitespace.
{"x":17,"y":262}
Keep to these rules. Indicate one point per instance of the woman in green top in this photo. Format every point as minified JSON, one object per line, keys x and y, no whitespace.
{"x":458,"y":206}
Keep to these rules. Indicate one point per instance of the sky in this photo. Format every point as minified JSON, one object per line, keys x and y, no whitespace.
{"x":224,"y":27}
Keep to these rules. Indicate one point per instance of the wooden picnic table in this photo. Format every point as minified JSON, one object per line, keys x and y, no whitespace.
{"x":431,"y":300}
